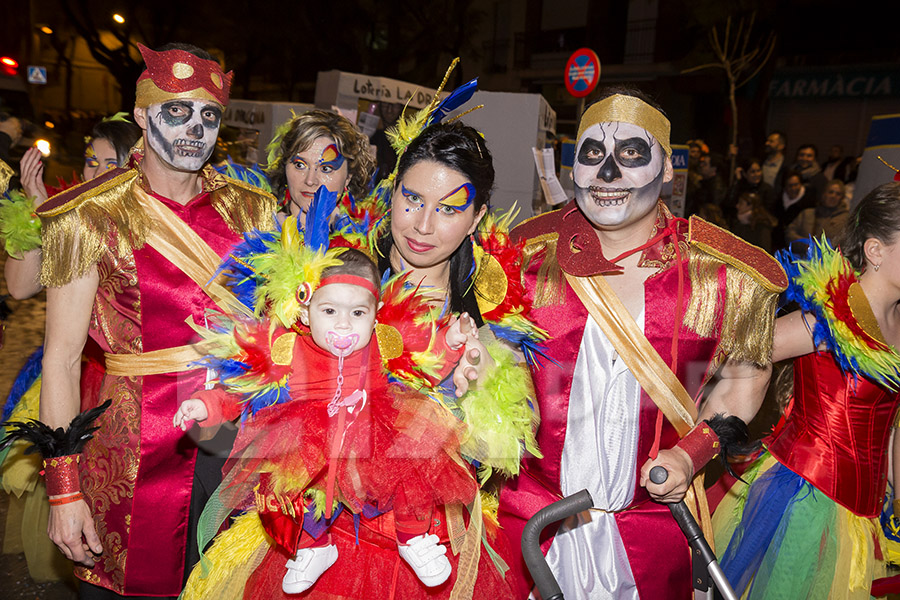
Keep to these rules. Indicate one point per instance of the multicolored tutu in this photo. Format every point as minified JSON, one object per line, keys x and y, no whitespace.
{"x":781,"y":538}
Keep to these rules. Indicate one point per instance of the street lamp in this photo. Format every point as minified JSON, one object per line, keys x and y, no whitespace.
{"x":118,"y":18}
{"x":47,"y":30}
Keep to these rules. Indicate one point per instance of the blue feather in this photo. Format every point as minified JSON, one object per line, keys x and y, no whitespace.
{"x":454,"y":100}
{"x":24,"y":380}
{"x":532,"y":348}
{"x":251,"y":175}
{"x":264,"y":399}
{"x":318,"y":219}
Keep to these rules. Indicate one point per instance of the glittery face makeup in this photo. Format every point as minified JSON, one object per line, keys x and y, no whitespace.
{"x":331,"y":159}
{"x":183,"y":132}
{"x":99,"y":157}
{"x":619,"y":171}
{"x":427,"y":231}
{"x":319,"y":164}
{"x":415,"y":204}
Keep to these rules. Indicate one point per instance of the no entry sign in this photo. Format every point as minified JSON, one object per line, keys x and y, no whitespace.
{"x":582,"y":72}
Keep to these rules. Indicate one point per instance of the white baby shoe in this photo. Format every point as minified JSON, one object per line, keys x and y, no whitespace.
{"x":427,"y":558}
{"x":306,"y":567}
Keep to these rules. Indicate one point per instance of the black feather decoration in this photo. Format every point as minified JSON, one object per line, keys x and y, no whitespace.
{"x":55,"y":442}
{"x":734,"y":439}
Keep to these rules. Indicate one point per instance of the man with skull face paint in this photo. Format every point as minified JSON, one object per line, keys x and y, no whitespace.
{"x":700,"y":298}
{"x":128,"y":260}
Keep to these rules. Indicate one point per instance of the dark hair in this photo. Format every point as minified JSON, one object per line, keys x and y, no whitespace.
{"x":758,"y":212}
{"x":752,"y":161}
{"x":195,"y":50}
{"x":626,"y":90}
{"x":121,"y":134}
{"x":355,"y":262}
{"x":876,"y":216}
{"x":790,"y":174}
{"x":716,"y":160}
{"x":461,"y":148}
{"x":811,"y":147}
{"x":781,"y":136}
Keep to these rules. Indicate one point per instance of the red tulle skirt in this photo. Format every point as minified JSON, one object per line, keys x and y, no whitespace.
{"x":373,"y":567}
{"x":399,"y":451}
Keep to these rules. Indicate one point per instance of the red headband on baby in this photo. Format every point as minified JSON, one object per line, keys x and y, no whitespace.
{"x":362,"y":282}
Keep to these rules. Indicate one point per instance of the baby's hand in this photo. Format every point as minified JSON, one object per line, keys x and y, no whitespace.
{"x":190,"y":410}
{"x":460,"y":331}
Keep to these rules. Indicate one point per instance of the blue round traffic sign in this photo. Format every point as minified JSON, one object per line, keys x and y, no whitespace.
{"x":582,"y":72}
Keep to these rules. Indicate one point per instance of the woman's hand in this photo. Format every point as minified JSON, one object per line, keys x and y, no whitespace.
{"x":473,"y":365}
{"x":32,"y":176}
{"x":460,"y":331}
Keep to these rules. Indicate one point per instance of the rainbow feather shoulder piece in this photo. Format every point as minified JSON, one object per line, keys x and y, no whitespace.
{"x":499,"y":289}
{"x":407,"y":326}
{"x":275,"y":272}
{"x":824,"y":283}
{"x":251,"y":359}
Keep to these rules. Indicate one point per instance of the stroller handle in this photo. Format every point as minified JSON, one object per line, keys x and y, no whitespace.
{"x":531,"y":545}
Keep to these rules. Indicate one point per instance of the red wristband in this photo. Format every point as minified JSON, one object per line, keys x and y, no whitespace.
{"x":65,"y":499}
{"x":702,"y":444}
{"x":61,"y":474}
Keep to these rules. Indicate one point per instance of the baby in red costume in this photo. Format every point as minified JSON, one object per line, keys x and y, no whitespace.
{"x":346,"y":434}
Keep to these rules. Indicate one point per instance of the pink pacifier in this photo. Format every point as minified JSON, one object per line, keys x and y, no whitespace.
{"x":344,"y":344}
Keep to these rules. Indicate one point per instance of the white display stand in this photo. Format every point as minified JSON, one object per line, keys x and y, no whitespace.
{"x":261,"y":117}
{"x":512,"y":125}
{"x":344,"y":90}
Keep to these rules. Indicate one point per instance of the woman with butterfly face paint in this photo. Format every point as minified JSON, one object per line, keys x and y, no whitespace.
{"x":318,"y":148}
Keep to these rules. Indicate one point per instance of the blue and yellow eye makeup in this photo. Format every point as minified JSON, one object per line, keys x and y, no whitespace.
{"x":412,"y":197}
{"x":331,"y":157}
{"x":459,"y":199}
{"x":298,"y":162}
{"x":90,"y":156}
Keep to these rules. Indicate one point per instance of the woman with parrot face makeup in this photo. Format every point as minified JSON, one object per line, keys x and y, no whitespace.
{"x":318,"y":148}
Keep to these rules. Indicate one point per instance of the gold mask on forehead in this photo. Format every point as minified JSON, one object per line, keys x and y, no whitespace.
{"x":628,"y":109}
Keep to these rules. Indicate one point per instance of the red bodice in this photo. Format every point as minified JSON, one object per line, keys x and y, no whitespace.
{"x":836,"y":436}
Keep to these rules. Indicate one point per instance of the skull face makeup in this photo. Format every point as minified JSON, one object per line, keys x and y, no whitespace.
{"x":619,"y":171}
{"x":183,"y":132}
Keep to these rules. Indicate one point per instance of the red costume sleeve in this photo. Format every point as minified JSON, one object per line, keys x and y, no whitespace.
{"x":220,"y":405}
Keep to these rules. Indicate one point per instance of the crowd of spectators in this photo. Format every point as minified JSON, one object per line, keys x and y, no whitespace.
{"x":772,"y":202}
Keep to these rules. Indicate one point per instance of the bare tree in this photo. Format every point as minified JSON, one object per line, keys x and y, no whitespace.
{"x":153,"y":28}
{"x":741,"y":56}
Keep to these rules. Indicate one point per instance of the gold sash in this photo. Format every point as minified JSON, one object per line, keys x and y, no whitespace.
{"x":648,"y":368}
{"x":184,"y":248}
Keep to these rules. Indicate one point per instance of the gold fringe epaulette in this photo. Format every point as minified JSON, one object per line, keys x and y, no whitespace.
{"x":77,"y":223}
{"x":753,"y":282}
{"x":243,"y":206}
{"x":80,"y":222}
{"x":540,"y":236}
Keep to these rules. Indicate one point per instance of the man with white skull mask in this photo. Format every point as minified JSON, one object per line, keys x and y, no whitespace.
{"x":129,"y":259}
{"x":639,"y":318}
{"x":183,"y":132}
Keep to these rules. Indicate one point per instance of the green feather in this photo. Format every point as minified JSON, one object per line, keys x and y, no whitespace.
{"x":19,"y":226}
{"x":501,"y":423}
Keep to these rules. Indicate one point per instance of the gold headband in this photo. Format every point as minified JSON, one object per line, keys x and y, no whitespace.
{"x":628,"y":109}
{"x":148,"y":93}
